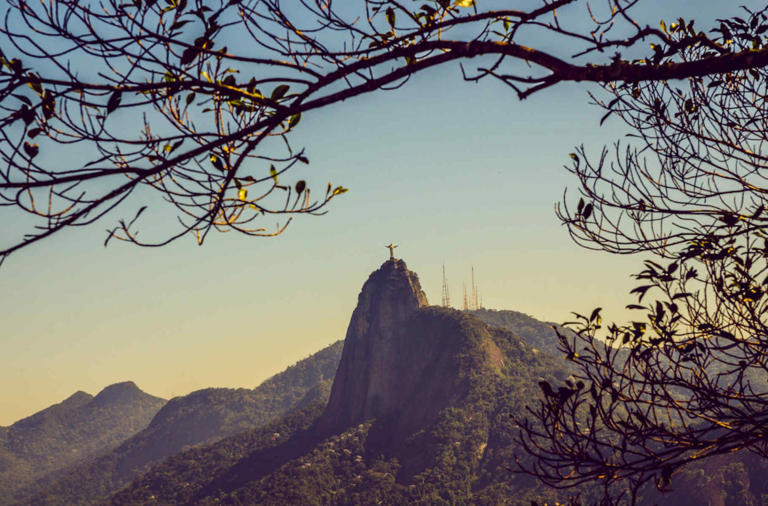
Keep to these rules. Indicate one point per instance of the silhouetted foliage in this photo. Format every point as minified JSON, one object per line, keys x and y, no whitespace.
{"x":192,"y":102}
{"x":686,"y":380}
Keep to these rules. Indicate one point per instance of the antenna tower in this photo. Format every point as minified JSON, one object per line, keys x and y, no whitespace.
{"x":464,"y":289}
{"x":446,"y":295}
{"x":473,"y":302}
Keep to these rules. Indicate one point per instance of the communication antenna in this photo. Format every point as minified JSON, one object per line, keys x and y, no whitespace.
{"x":446,"y":295}
{"x":464,"y":289}
{"x":479,"y":299}
{"x":473,"y":302}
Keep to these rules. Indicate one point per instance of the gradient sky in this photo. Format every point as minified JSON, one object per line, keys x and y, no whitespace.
{"x":453,"y":172}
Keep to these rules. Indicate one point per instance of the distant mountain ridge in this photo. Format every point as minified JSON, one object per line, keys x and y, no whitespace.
{"x":537,"y":333}
{"x":201,"y":417}
{"x":75,"y":429}
{"x":420,"y":413}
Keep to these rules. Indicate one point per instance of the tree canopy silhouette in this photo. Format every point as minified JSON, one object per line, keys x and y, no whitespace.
{"x":688,"y":378}
{"x":188,"y":105}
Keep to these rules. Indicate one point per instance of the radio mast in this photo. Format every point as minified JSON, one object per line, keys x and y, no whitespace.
{"x":446,"y":295}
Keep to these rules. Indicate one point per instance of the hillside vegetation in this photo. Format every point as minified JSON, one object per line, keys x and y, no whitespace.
{"x":75,"y":429}
{"x":201,"y":417}
{"x":460,"y":456}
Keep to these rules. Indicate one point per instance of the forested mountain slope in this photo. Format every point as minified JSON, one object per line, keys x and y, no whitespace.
{"x":75,"y":429}
{"x":421,"y":410}
{"x":450,"y":445}
{"x":537,"y":333}
{"x":201,"y":417}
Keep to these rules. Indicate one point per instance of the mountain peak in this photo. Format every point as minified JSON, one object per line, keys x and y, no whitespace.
{"x":78,"y":398}
{"x":390,"y":296}
{"x":119,"y":393}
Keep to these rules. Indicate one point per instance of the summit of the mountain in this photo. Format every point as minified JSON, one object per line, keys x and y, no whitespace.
{"x":72,"y":430}
{"x":122,"y":393}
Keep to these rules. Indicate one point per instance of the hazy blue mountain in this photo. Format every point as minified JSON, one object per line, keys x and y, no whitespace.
{"x":75,"y":429}
{"x":201,"y":417}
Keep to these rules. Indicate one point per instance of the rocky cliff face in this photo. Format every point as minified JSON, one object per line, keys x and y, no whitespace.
{"x":363,"y":388}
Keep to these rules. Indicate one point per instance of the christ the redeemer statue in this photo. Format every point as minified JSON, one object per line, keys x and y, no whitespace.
{"x":391,"y":250}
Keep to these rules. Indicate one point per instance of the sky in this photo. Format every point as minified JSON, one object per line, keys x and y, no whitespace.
{"x":454,"y":173}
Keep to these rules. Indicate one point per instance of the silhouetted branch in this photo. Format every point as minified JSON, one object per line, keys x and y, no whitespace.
{"x":688,"y":379}
{"x":194,"y":101}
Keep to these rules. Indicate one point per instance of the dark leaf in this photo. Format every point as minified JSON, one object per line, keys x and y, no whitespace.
{"x":49,"y":105}
{"x":179,"y":24}
{"x":114,"y":101}
{"x":229,"y":81}
{"x":189,"y":55}
{"x":34,"y":83}
{"x":279,"y":92}
{"x":31,"y":149}
{"x":216,"y":161}
{"x":390,"y":14}
{"x":640,"y":290}
{"x":24,"y":99}
{"x":546,"y":388}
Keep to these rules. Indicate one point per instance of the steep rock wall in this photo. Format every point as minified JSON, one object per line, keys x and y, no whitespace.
{"x":363,"y":387}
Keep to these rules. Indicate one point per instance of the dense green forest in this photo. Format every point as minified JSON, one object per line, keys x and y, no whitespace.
{"x":734,"y":479}
{"x":535,"y":332}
